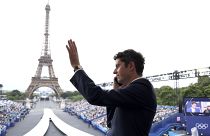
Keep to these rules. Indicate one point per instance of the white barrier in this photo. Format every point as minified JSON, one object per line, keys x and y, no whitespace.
{"x":41,"y":128}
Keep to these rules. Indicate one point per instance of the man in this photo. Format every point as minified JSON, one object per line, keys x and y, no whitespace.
{"x":207,"y":110}
{"x":194,"y":108}
{"x":131,"y":104}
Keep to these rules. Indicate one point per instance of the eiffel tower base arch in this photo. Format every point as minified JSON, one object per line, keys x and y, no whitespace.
{"x":41,"y":82}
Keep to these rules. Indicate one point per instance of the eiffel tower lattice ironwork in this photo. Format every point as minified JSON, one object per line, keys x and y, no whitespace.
{"x":45,"y":60}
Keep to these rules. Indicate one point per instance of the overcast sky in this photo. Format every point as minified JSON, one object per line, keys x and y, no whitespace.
{"x":171,"y":34}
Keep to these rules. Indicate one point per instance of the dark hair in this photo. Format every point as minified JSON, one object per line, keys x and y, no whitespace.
{"x":193,"y":102}
{"x":130,"y":55}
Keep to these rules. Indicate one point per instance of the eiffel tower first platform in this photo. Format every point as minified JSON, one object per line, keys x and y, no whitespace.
{"x":45,"y":60}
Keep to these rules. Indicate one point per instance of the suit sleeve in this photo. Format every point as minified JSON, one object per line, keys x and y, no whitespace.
{"x":138,"y":94}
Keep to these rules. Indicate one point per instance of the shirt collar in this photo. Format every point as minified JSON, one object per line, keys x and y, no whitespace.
{"x":136,"y":79}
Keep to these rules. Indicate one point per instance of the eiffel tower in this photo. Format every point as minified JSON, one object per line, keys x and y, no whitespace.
{"x":45,"y":60}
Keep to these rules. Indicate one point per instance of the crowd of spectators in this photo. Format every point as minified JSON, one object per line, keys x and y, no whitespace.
{"x":164,"y":112}
{"x":10,"y":113}
{"x":96,"y":117}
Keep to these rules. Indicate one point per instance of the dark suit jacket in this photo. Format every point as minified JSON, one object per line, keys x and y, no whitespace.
{"x":135,"y":104}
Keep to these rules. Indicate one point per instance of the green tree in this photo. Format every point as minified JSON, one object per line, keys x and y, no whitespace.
{"x":1,"y":85}
{"x":74,"y":96}
{"x":166,"y":96}
{"x":194,"y":90}
{"x":203,"y":81}
{"x":207,"y":92}
{"x":77,"y":98}
{"x":15,"y":95}
{"x":66,"y":94}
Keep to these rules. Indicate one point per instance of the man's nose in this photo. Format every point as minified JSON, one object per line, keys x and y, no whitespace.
{"x":115,"y":71}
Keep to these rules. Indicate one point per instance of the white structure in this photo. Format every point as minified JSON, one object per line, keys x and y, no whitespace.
{"x":62,"y":104}
{"x":41,"y":128}
{"x":194,"y":131}
{"x":28,"y":103}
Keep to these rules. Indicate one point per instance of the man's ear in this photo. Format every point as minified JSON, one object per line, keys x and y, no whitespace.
{"x":131,"y":65}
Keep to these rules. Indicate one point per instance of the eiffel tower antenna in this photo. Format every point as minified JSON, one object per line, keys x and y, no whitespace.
{"x":45,"y":60}
{"x":46,"y":50}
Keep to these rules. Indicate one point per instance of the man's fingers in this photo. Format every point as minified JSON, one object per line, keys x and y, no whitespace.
{"x":73,"y":54}
{"x":72,"y":46}
{"x":67,"y":48}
